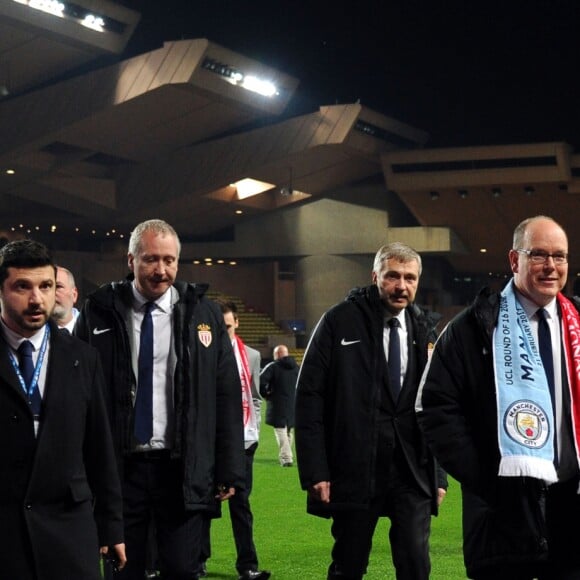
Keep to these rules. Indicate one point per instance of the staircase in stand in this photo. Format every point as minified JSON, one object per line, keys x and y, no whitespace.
{"x":257,"y":329}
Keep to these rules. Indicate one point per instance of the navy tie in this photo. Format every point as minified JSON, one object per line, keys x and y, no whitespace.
{"x":394,"y":358}
{"x":144,"y":400}
{"x":27,"y":371}
{"x":545,"y":342}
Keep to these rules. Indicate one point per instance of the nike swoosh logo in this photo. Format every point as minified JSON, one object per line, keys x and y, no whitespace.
{"x":97,"y":331}
{"x":345,"y":342}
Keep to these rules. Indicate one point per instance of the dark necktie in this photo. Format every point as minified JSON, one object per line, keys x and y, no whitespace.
{"x":394,"y":358}
{"x":144,"y":400}
{"x":545,"y":343}
{"x":27,"y":371}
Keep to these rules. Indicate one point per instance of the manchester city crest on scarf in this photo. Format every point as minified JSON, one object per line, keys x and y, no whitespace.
{"x":527,"y":424}
{"x":204,"y":334}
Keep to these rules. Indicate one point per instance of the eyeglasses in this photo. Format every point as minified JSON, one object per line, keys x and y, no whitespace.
{"x":541,"y":257}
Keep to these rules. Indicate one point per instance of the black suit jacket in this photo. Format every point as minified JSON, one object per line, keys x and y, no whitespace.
{"x":347,"y":424}
{"x":60,"y":496}
{"x":400,"y":421}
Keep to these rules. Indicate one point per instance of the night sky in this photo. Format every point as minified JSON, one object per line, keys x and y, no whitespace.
{"x":468,"y":73}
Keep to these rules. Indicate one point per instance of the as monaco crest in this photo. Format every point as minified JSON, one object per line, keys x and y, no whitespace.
{"x":204,"y":334}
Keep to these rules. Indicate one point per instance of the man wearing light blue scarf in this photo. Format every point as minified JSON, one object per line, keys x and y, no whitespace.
{"x":499,"y":404}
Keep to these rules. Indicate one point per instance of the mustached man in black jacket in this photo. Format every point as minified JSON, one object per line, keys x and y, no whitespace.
{"x":360,"y":452}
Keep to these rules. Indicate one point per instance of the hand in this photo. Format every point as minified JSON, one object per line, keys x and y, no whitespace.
{"x":321,"y":491}
{"x":224,"y":492}
{"x":115,"y":554}
{"x":441,"y":493}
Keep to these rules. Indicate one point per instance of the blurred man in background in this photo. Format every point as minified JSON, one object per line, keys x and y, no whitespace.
{"x":278,"y":387}
{"x":65,"y":313}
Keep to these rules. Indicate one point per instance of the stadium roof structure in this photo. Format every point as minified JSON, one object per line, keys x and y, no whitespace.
{"x":481,"y":193}
{"x":178,"y":133}
{"x":195,"y":133}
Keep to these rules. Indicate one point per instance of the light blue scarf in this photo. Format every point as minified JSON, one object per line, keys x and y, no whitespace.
{"x":525,"y":416}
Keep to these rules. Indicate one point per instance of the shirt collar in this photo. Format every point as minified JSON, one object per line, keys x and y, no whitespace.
{"x":400,"y":317}
{"x":531,"y":308}
{"x":15,"y":340}
{"x":163,"y":302}
{"x":71,"y":323}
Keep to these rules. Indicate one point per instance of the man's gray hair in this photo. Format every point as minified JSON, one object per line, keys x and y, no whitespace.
{"x":69,"y":275}
{"x":396,"y":251}
{"x":155,"y":226}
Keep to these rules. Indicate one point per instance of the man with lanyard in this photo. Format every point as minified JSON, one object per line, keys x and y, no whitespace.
{"x":59,"y":487}
{"x":499,"y":406}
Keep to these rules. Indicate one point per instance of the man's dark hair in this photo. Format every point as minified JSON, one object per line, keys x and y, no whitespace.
{"x":227,"y":306}
{"x":24,"y":254}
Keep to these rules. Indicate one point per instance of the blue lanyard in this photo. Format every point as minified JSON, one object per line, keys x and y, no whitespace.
{"x":34,"y":383}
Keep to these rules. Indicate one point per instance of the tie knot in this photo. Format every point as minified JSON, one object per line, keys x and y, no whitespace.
{"x":25,"y":348}
{"x":542,"y":314}
{"x":394,"y":323}
{"x":148,"y":307}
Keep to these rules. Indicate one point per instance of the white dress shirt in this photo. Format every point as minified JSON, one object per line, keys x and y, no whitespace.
{"x":403,"y":340}
{"x":553,"y":321}
{"x":163,"y":365}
